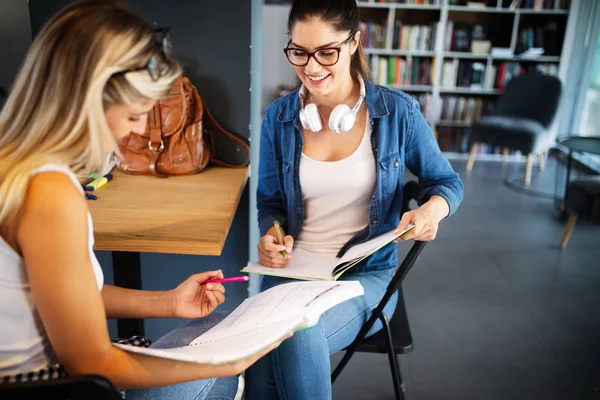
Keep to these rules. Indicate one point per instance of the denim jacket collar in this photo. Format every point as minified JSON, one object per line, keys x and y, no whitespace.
{"x":375,"y":103}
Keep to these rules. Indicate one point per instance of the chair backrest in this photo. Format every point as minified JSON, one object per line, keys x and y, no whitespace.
{"x":532,"y":96}
{"x":88,"y":387}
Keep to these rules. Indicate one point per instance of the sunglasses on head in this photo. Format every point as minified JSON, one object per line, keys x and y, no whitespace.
{"x":159,"y":63}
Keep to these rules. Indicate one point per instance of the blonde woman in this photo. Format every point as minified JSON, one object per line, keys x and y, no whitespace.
{"x":89,"y":79}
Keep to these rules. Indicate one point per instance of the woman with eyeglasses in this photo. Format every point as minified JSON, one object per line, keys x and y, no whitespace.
{"x":331,"y":171}
{"x":89,"y":79}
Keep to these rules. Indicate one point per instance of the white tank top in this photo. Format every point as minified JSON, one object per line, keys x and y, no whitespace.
{"x":24,"y":345}
{"x":336,"y":196}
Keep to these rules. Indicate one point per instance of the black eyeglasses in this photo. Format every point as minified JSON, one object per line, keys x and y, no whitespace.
{"x":159,"y":63}
{"x":326,"y":56}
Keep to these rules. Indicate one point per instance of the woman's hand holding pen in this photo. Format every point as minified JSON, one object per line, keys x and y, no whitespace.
{"x":426,"y":220}
{"x":271,"y":251}
{"x":192,"y":299}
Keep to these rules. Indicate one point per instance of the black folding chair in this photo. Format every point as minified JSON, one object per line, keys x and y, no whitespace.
{"x":87,"y":387}
{"x":395,"y":337}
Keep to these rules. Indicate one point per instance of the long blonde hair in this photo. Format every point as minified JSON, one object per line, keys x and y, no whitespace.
{"x":76,"y":67}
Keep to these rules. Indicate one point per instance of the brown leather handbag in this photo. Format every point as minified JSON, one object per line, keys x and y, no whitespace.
{"x":175,"y":141}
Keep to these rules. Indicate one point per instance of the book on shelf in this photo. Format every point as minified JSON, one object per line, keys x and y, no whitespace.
{"x":464,"y":109}
{"x":260,"y":321}
{"x":379,"y":35}
{"x":373,"y":34}
{"x":533,"y":4}
{"x":430,"y":106}
{"x":406,"y":71}
{"x":456,"y":140}
{"x":411,"y":2}
{"x":476,"y":76}
{"x":482,"y":148}
{"x":460,"y":36}
{"x":467,"y":74}
{"x":414,"y":37}
{"x":473,"y":3}
{"x":452,"y":139}
{"x":539,"y":36}
{"x":510,"y":70}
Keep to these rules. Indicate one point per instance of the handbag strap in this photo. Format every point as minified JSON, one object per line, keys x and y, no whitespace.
{"x":155,"y":143}
{"x":229,"y":135}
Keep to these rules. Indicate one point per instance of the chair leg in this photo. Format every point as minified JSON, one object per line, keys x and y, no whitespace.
{"x":399,"y":388}
{"x":472,"y":155}
{"x":542,"y":161}
{"x":338,"y":369}
{"x":568,"y":229}
{"x":528,"y":169}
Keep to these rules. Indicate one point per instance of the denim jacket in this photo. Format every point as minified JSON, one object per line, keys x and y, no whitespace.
{"x":400,"y":136}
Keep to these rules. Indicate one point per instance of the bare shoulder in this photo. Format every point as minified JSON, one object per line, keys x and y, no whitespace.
{"x":52,"y":198}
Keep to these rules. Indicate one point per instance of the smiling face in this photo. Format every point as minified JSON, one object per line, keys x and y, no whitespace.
{"x":312,"y":35}
{"x":124,"y":118}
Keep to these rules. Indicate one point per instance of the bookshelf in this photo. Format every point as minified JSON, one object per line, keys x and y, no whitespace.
{"x":456,"y":56}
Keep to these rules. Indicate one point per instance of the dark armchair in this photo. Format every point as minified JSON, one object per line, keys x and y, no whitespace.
{"x":520,"y":120}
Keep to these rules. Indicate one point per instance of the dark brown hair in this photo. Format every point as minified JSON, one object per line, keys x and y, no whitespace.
{"x":343,"y":15}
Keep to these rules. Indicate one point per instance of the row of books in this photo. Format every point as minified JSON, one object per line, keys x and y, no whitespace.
{"x":454,"y":109}
{"x":459,"y":35}
{"x":509,"y":70}
{"x":544,"y":37}
{"x":527,"y":4}
{"x":456,"y":140}
{"x":540,"y":4}
{"x":452,"y":140}
{"x":464,"y":109}
{"x":423,"y":2}
{"x":475,"y":75}
{"x":403,"y":37}
{"x":401,"y":70}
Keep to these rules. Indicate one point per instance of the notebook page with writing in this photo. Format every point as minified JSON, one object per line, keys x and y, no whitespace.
{"x":260,"y":321}
{"x":304,"y":265}
{"x":312,"y":266}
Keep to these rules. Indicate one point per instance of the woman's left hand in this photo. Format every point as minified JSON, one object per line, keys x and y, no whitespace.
{"x":192,"y":299}
{"x":426,"y":220}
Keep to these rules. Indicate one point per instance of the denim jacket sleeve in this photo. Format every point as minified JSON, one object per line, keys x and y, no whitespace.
{"x":425,"y":160}
{"x":269,"y":198}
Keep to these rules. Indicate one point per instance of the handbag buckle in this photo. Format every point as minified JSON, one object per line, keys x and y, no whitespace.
{"x":161,"y":147}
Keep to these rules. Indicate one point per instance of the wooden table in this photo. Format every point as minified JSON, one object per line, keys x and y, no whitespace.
{"x":177,"y":215}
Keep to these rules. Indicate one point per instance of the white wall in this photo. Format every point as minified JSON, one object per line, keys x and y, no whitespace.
{"x":276,"y":69}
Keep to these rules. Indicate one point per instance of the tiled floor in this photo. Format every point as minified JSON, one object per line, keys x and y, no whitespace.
{"x":497,"y":311}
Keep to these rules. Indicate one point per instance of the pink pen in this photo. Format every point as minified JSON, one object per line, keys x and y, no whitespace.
{"x":226,"y":280}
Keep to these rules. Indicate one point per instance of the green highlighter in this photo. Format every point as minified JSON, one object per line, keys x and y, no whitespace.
{"x":279,"y":236}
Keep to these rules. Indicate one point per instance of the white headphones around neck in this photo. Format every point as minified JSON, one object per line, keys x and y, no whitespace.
{"x":342,"y":118}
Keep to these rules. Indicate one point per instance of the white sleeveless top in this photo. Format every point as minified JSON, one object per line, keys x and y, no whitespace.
{"x":337,"y":196}
{"x":24,"y":345}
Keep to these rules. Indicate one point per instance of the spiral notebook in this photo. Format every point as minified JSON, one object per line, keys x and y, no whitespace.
{"x":260,"y":321}
{"x":311,"y":266}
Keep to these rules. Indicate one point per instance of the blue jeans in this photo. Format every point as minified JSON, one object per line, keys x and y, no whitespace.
{"x":300,"y":367}
{"x":207,"y":389}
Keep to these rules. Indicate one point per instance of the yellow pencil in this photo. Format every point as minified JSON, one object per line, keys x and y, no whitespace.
{"x":279,"y":236}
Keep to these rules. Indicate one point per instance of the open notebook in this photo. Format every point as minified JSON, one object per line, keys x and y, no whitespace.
{"x":311,"y":266}
{"x":260,"y":321}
